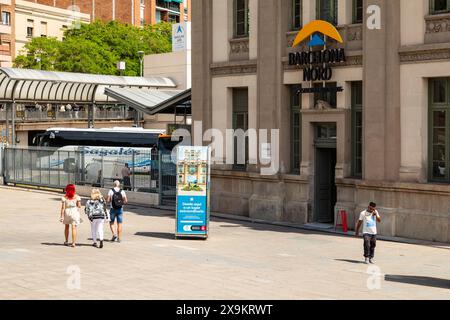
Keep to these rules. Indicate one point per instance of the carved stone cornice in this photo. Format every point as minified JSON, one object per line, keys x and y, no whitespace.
{"x":234,"y":68}
{"x":425,"y":53}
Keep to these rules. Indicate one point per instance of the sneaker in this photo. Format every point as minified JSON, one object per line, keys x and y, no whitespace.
{"x":101,"y":244}
{"x":95,"y":245}
{"x":371,"y":261}
{"x":114,"y":238}
{"x":66,"y":244}
{"x":118,"y":240}
{"x":366,"y":261}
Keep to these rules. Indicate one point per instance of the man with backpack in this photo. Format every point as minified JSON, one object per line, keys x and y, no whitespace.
{"x":117,"y":198}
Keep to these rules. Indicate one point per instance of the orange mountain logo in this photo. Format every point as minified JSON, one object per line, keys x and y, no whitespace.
{"x":314,"y":27}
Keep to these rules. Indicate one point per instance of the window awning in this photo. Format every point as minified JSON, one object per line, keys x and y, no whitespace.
{"x":37,"y":86}
{"x":152,"y":102}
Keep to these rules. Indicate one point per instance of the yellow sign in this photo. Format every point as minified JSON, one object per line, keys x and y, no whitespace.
{"x":321,"y":26}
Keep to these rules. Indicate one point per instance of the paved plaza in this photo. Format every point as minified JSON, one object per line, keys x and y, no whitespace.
{"x":240,"y":260}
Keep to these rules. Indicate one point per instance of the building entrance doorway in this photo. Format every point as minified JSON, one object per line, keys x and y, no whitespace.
{"x":325,"y":182}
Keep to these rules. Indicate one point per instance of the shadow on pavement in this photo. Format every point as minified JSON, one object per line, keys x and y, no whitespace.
{"x":165,"y":235}
{"x":230,"y":222}
{"x":54,"y":244}
{"x":149,"y":212}
{"x":350,"y":261}
{"x":160,"y":235}
{"x":420,"y":281}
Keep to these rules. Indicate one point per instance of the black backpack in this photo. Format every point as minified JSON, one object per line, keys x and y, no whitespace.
{"x":117,"y":199}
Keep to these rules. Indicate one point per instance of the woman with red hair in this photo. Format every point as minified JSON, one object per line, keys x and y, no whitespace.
{"x":70,"y":214}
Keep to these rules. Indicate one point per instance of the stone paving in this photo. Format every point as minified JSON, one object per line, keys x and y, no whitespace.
{"x":240,"y":260}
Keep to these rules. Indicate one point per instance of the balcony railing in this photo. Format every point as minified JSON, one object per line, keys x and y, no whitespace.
{"x":437,"y":28}
{"x":239,"y":49}
{"x":36,"y":115}
{"x":173,"y":6}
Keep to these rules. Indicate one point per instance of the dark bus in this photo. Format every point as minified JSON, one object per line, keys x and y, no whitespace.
{"x":115,"y":137}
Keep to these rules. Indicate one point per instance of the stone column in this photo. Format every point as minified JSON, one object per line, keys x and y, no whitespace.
{"x":273,"y":96}
{"x":201,"y":61}
{"x":381,"y":94}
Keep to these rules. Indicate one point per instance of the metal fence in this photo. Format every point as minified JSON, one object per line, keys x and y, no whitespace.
{"x":38,"y":115}
{"x":96,"y":167}
{"x":1,"y":158}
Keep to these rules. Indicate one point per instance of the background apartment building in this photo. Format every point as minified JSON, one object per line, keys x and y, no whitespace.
{"x":136,"y":12}
{"x":38,"y":20}
{"x":383,"y":138}
{"x":7,"y":43}
{"x":21,"y":20}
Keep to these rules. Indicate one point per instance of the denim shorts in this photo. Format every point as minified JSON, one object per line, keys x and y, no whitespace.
{"x":116,"y":213}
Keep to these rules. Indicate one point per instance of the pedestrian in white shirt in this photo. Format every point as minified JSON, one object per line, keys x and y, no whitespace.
{"x":117,"y":198}
{"x":369,"y":218}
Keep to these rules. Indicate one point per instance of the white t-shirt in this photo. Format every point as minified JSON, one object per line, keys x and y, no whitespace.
{"x":369,"y":222}
{"x":111,"y":193}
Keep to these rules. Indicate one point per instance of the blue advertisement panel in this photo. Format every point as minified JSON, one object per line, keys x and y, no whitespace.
{"x":192,"y":217}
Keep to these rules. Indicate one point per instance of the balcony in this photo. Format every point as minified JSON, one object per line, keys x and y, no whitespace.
{"x":5,"y":28}
{"x":82,"y":115}
{"x":437,"y":28}
{"x":172,"y":6}
{"x":5,"y":56}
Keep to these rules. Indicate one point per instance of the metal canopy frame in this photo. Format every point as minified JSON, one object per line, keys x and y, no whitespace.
{"x":152,"y":102}
{"x":37,"y":86}
{"x":27,"y":85}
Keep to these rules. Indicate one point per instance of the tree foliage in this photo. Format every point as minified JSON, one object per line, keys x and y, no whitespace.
{"x":96,"y":48}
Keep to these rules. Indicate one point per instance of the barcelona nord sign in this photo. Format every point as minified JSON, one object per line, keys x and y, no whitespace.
{"x":317,"y":64}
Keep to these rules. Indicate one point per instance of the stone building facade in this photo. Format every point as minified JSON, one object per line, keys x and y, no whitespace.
{"x":384,"y":137}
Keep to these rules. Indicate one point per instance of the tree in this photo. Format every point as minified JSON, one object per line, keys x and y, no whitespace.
{"x":78,"y":55}
{"x":45,"y":49}
{"x":97,"y":47}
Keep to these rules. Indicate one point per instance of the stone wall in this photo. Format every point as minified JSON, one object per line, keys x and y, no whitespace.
{"x":409,"y":210}
{"x":275,"y":198}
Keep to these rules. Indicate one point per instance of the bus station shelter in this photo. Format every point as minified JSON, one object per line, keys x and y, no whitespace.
{"x":153,"y":102}
{"x":19,"y":86}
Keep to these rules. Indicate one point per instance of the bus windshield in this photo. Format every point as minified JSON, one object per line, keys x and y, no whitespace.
{"x":165,"y":143}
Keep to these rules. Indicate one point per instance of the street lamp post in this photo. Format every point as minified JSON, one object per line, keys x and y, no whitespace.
{"x":141,"y":61}
{"x":141,"y":65}
{"x":121,"y":66}
{"x":39,"y":61}
{"x":38,"y":58}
